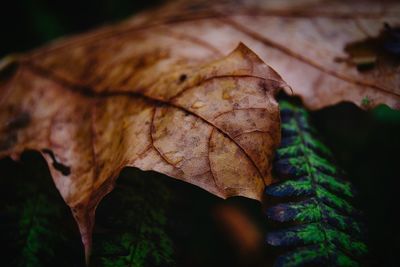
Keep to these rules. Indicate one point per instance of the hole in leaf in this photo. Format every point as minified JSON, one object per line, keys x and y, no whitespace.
{"x":65,"y":170}
{"x":382,"y":51}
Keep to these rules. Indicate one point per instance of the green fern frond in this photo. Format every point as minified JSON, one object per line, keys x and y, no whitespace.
{"x":35,"y":233}
{"x":34,"y":220}
{"x":34,"y":236}
{"x":316,"y":203}
{"x":134,"y":225}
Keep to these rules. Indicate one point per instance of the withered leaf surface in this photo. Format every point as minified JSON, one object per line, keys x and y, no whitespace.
{"x":328,"y":51}
{"x":156,"y":91}
{"x":215,"y":124}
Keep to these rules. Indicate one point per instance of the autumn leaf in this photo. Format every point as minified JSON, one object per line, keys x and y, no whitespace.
{"x":158,"y":93}
{"x":215,"y":125}
{"x":328,"y":52}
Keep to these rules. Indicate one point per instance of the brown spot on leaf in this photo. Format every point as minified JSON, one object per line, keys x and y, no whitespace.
{"x":182,"y":78}
{"x":21,"y":120}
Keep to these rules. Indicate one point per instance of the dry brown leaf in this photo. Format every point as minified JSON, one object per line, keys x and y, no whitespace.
{"x":215,"y":125}
{"x":156,"y":91}
{"x":328,"y":52}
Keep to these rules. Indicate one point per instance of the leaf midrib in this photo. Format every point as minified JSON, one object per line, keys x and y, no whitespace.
{"x":89,"y":93}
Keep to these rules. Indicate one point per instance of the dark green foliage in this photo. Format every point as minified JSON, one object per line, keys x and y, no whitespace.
{"x":131,"y":224}
{"x":43,"y":20}
{"x":34,"y":221}
{"x":37,"y":228}
{"x":314,"y":215}
{"x":148,"y":220}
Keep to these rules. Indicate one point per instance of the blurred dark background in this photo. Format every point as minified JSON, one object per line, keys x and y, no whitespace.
{"x":366,"y":144}
{"x":29,"y":23}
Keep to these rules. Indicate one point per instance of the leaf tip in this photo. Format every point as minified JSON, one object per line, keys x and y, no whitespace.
{"x":84,"y":216}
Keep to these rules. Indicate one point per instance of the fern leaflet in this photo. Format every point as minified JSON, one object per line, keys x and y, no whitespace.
{"x":133,"y":224}
{"x":314,"y":210}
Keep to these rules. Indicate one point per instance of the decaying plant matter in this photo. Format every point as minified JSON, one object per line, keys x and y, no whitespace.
{"x":216,"y":128}
{"x":163,"y":91}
